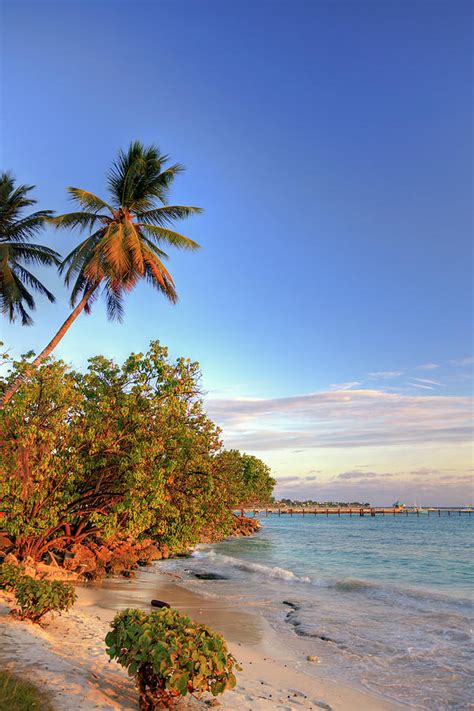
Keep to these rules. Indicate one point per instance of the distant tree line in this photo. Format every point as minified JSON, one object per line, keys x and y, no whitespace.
{"x":328,"y":504}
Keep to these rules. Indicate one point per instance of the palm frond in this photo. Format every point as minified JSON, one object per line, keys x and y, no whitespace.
{"x":16,"y":231}
{"x":167,"y":214}
{"x":79,"y":257}
{"x":24,"y":229}
{"x":113,"y":300}
{"x":132,"y":245}
{"x":112,"y":250}
{"x":138,"y":177}
{"x":13,"y":199}
{"x":35,"y":254}
{"x":30,"y":279}
{"x":154,"y":187}
{"x":9,"y":292}
{"x":81,"y":286}
{"x":158,"y":276}
{"x":26,"y":319}
{"x":88,"y":200}
{"x":154,"y":248}
{"x":161,"y":234}
{"x":82,"y":220}
{"x":26,"y":295}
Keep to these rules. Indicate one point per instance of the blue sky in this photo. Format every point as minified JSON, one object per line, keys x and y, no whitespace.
{"x":329,"y":144}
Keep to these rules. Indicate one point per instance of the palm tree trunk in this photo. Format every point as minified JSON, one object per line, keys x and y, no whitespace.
{"x":8,"y":394}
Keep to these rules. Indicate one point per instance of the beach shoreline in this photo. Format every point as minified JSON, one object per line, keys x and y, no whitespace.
{"x":67,"y":657}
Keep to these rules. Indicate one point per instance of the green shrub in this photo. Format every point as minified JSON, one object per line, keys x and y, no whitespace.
{"x":10,"y":575}
{"x":169,"y":656}
{"x":38,"y":597}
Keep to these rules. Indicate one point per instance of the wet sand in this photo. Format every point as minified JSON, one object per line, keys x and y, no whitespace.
{"x":114,"y":594}
{"x":67,"y":658}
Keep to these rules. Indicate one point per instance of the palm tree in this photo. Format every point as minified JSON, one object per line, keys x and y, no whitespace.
{"x":16,"y":231}
{"x":125,"y":238}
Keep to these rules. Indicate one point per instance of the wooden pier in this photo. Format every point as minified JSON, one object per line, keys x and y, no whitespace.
{"x":364,"y":511}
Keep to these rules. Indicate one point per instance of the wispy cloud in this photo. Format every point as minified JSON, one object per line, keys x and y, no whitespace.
{"x":423,"y":486}
{"x":346,"y":386}
{"x":358,"y":475}
{"x":427,"y":366}
{"x":343,"y":419}
{"x":385,"y":374}
{"x":418,"y":385}
{"x":463,"y":361}
{"x":430,"y":382}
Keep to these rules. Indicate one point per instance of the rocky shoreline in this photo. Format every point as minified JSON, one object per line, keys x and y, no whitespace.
{"x":96,"y":559}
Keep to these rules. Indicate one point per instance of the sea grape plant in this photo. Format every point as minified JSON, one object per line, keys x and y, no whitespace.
{"x":10,"y":575}
{"x":38,"y":597}
{"x":170,"y":656}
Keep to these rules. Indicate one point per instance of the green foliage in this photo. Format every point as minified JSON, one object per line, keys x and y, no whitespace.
{"x":38,"y":597}
{"x":18,"y":695}
{"x":16,"y":254}
{"x":170,"y":656}
{"x":247,"y":479}
{"x":257,"y":482}
{"x":10,"y":575}
{"x":117,"y":451}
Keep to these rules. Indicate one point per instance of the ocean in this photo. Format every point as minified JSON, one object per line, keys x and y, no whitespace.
{"x":385,"y":602}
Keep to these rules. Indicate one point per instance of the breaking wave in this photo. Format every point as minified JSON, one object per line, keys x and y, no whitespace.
{"x":258,"y":568}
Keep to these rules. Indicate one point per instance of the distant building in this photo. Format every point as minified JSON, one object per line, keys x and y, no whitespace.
{"x":398,"y":505}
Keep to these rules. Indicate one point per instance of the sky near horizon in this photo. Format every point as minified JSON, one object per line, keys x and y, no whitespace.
{"x":330,"y":145}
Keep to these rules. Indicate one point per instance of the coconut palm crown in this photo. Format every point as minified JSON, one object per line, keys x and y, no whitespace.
{"x":127,"y":232}
{"x":16,"y":253}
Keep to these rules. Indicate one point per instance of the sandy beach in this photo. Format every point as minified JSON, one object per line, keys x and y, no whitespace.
{"x":67,"y":658}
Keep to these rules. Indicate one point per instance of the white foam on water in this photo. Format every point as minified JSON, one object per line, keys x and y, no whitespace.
{"x":226,"y":561}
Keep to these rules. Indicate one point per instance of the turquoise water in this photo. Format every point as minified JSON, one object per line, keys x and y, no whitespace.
{"x":385,"y":601}
{"x":423,"y":552}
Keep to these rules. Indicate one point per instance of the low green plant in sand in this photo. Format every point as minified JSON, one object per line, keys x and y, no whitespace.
{"x":18,"y":695}
{"x":170,"y":656}
{"x":38,"y":597}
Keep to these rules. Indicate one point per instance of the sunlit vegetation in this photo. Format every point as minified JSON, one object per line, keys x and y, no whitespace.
{"x":118,"y":452}
{"x":170,"y":656}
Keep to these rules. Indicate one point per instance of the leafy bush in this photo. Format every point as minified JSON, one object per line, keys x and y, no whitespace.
{"x":38,"y":597}
{"x":170,"y":656}
{"x":10,"y":575}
